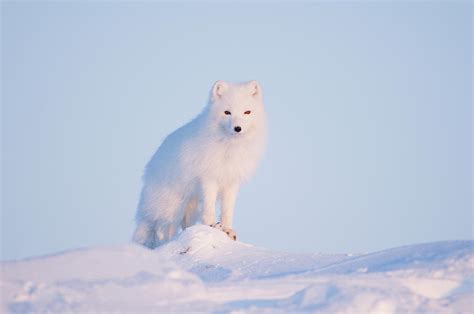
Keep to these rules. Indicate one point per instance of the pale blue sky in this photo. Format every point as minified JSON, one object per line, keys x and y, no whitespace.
{"x":369,"y":103}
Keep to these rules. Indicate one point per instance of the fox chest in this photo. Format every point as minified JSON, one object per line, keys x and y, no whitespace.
{"x":228,"y":163}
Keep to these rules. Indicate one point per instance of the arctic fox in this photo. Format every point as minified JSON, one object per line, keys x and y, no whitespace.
{"x":202,"y":164}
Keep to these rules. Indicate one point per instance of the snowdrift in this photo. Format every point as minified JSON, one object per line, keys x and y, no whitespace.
{"x":203,"y":270}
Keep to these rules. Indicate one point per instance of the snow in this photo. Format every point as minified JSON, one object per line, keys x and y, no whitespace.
{"x":203,"y":270}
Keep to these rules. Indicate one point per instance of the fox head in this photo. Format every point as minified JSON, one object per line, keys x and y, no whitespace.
{"x":237,"y":109}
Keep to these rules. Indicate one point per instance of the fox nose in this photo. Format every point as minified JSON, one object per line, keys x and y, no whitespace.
{"x":237,"y":129}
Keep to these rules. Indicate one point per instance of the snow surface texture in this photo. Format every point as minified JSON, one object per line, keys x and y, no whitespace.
{"x":203,"y":270}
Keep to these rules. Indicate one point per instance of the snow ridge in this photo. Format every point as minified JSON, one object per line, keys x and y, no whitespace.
{"x":203,"y":270}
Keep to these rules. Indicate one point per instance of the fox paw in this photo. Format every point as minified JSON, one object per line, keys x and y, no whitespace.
{"x":217,"y":225}
{"x":230,"y":232}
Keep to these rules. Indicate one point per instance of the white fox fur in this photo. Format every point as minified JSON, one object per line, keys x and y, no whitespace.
{"x":203,"y":164}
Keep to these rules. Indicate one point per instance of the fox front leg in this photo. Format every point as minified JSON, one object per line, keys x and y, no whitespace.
{"x":229,"y":197}
{"x":208,"y":199}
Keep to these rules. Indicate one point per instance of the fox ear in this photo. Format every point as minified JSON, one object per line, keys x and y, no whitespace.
{"x":255,"y":88}
{"x":220,"y":87}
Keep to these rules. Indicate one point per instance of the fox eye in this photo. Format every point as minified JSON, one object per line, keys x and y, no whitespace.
{"x":248,"y":112}
{"x":227,"y":112}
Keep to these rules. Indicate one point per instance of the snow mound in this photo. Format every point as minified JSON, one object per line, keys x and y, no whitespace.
{"x":203,"y":270}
